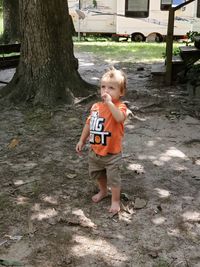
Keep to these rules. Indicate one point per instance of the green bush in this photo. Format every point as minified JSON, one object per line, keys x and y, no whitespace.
{"x":192,"y":34}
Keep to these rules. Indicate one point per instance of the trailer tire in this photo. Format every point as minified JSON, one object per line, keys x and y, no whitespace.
{"x":137,"y":37}
{"x":159,"y":38}
{"x":154,"y":37}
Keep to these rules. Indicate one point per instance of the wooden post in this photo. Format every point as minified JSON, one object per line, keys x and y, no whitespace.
{"x":169,"y":47}
{"x":169,"y":41}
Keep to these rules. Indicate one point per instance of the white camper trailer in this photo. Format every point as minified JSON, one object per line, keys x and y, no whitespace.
{"x":139,"y":19}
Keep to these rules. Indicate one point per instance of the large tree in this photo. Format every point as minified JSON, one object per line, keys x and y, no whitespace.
{"x":11,"y":31}
{"x":47,"y":72}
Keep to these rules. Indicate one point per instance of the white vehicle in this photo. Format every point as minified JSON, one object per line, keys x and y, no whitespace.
{"x":139,"y":19}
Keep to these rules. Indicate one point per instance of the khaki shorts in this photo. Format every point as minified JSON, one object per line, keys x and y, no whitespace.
{"x":105,"y":166}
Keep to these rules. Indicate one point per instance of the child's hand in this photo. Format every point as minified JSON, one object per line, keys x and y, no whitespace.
{"x":106,"y":97}
{"x":79,"y":147}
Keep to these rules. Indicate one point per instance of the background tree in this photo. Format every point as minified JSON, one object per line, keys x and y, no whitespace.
{"x":11,"y":32}
{"x":198,"y":9}
{"x":47,"y":72}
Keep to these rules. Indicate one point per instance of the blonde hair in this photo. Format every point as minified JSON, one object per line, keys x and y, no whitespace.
{"x":120,"y":77}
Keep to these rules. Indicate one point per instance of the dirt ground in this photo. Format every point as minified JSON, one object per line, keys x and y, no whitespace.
{"x":47,"y":218}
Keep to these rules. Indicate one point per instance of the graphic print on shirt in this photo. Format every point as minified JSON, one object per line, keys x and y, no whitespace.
{"x":97,"y":133}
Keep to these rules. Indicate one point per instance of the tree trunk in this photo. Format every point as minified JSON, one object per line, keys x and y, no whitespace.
{"x":11,"y":32}
{"x":198,"y":8}
{"x":47,"y":72}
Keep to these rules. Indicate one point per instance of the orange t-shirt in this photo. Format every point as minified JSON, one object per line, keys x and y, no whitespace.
{"x":105,"y":132}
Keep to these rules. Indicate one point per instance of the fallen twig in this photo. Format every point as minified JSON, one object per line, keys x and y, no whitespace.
{"x":192,"y":141}
{"x":28,"y":182}
{"x":86,"y":99}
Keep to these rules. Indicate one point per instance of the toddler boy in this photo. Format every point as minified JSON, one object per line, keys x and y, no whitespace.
{"x":105,"y":129}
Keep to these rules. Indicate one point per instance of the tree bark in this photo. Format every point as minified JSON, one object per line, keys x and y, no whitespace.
{"x":47,"y":72}
{"x":11,"y":32}
{"x":198,"y":8}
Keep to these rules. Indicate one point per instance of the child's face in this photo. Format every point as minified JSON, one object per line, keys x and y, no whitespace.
{"x":111,"y":87}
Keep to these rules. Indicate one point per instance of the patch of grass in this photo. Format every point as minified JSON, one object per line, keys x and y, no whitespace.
{"x":124,"y":51}
{"x":161,"y":263}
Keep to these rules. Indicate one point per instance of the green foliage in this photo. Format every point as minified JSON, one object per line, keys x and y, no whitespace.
{"x":176,"y":51}
{"x":194,"y":72}
{"x":192,"y":34}
{"x":94,"y":3}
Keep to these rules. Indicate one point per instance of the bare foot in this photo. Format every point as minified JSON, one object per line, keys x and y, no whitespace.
{"x":115,"y":207}
{"x":98,"y":197}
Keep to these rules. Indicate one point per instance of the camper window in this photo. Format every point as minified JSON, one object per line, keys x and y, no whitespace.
{"x":137,"y":8}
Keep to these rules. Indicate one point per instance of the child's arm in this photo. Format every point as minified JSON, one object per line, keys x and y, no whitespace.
{"x":83,"y":138}
{"x":117,"y":113}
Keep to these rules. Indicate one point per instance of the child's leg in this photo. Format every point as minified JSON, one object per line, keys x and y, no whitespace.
{"x":102,"y":184}
{"x":115,"y":204}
